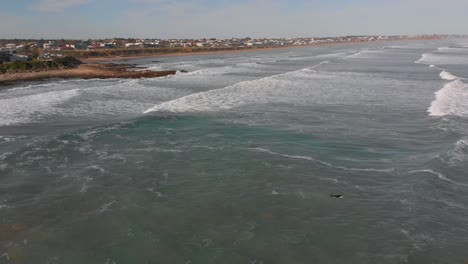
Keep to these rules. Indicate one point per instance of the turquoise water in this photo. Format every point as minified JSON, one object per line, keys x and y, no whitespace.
{"x":235,"y":161}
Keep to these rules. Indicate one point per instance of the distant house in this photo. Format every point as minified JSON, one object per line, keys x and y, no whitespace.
{"x":134,"y":45}
{"x":109,"y":45}
{"x":80,"y":46}
{"x":49,"y":46}
{"x":66,"y":48}
{"x":9,"y":54}
{"x":10,"y":46}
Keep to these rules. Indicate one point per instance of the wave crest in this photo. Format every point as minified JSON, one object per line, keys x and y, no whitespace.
{"x":451,"y":100}
{"x":265,"y":90}
{"x":447,"y":76}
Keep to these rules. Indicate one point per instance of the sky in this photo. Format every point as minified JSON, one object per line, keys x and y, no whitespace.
{"x":83,"y":19}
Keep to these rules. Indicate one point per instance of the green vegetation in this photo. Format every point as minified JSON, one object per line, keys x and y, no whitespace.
{"x":37,"y":65}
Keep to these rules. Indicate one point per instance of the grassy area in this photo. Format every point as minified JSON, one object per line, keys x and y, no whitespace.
{"x":26,"y":66}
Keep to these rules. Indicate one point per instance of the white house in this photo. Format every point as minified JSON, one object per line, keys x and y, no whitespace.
{"x":48,"y":46}
{"x":134,"y":45}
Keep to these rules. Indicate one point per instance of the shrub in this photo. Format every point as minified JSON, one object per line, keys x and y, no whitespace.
{"x":36,"y":65}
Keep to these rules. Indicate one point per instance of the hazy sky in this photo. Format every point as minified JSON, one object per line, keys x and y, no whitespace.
{"x":228,"y":18}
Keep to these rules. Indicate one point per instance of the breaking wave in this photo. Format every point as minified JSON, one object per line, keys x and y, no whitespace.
{"x":447,"y":76}
{"x":439,"y":58}
{"x":423,"y":58}
{"x":21,"y":109}
{"x":451,"y":100}
{"x":260,"y":91}
{"x":459,"y":153}
{"x":451,"y":50}
{"x":366,"y":54}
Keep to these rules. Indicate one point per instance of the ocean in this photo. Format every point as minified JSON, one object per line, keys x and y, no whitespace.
{"x":235,"y":161}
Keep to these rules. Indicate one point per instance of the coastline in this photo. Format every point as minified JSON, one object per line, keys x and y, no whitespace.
{"x":177,"y":54}
{"x":84,"y":71}
{"x":242,"y":50}
{"x":102,"y":68}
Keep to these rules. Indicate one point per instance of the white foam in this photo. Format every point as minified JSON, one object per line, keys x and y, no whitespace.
{"x":213,"y":71}
{"x":91,"y":133}
{"x":159,"y":194}
{"x":366,"y":54}
{"x":321,"y":56}
{"x":447,"y":76}
{"x":395,"y":47}
{"x":452,"y":50}
{"x":105,"y":207}
{"x":24,"y":109}
{"x":321,"y":162}
{"x":5,"y":155}
{"x":320,"y":64}
{"x":10,"y":139}
{"x":84,"y":186}
{"x":331,"y":55}
{"x":32,"y":87}
{"x":459,"y":153}
{"x":423,"y":58}
{"x":439,"y":175}
{"x":442,"y":48}
{"x":96,"y":167}
{"x":438,"y":58}
{"x":153,"y":68}
{"x":451,"y":100}
{"x":269,"y":89}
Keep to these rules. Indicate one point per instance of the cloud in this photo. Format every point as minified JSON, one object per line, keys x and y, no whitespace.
{"x":54,"y":6}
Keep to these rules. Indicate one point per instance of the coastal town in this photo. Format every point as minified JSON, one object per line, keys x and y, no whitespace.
{"x":24,"y":50}
{"x":32,"y":60}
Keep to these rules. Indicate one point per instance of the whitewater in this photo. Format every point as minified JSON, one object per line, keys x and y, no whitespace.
{"x":234,"y":161}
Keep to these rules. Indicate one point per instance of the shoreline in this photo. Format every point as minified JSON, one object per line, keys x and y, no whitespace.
{"x":102,"y":68}
{"x":84,"y":71}
{"x":241,"y":50}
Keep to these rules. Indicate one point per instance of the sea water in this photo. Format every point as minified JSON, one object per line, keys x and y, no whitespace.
{"x":235,"y":161}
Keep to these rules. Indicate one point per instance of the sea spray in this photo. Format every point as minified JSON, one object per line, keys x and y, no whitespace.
{"x":451,"y":100}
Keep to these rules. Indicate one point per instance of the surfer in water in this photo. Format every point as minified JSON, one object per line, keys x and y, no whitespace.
{"x":337,"y":196}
